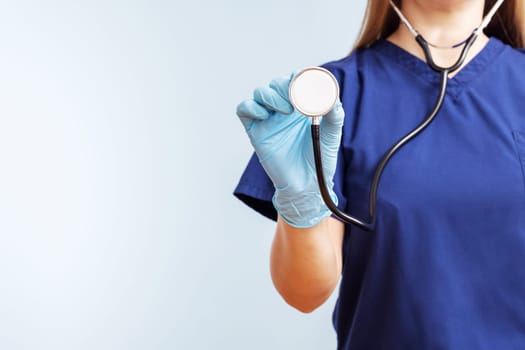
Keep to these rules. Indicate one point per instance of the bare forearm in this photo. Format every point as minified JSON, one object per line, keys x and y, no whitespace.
{"x":306,"y":263}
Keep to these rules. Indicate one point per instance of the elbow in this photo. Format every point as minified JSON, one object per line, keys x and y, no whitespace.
{"x":303,"y":291}
{"x":306,"y":307}
{"x":305,"y":302}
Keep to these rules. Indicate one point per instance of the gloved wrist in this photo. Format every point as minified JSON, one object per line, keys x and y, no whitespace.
{"x":304,"y":209}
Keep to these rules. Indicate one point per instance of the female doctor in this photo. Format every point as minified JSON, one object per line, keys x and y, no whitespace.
{"x":444,"y":267}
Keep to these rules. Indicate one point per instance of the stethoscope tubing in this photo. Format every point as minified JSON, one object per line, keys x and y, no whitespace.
{"x":339,"y":214}
{"x":459,"y":62}
{"x":315,"y":130}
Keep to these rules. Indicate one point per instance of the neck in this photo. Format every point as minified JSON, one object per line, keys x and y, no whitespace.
{"x":442,"y":23}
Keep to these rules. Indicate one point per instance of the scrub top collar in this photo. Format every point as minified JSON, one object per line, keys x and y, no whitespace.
{"x":414,"y":64}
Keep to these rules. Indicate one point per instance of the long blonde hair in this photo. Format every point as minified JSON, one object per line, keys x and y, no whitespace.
{"x":508,"y":24}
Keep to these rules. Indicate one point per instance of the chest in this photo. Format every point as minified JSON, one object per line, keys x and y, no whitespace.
{"x":470,"y":160}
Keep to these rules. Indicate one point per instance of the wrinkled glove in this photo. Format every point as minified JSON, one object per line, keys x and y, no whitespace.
{"x":282,"y":141}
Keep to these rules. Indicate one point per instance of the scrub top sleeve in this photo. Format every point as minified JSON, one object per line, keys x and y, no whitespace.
{"x":255,"y":189}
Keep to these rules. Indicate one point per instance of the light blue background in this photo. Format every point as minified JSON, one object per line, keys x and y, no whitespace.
{"x":119,"y":150}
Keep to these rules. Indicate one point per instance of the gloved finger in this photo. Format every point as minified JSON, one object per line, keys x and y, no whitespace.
{"x":332,"y":122}
{"x":250,"y":109}
{"x":271,"y":99}
{"x":282,"y":86}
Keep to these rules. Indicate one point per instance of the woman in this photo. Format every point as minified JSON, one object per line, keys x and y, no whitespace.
{"x":444,"y":267}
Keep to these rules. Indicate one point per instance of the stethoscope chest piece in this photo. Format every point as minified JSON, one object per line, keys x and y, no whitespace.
{"x":314,"y":91}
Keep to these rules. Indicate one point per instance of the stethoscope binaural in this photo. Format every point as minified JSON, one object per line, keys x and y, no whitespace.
{"x":314,"y":92}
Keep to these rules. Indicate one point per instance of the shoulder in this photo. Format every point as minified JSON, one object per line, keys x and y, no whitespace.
{"x":349,"y":66}
{"x":353,"y":73}
{"x":518,"y":53}
{"x":515,"y":59}
{"x":364,"y":64}
{"x":359,"y":69}
{"x":507,"y":68}
{"x":349,"y":70}
{"x":510,"y":56}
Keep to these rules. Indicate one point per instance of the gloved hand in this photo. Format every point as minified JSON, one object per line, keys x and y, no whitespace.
{"x":282,"y":141}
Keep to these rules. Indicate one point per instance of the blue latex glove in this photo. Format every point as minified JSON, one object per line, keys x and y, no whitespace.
{"x":282,"y":141}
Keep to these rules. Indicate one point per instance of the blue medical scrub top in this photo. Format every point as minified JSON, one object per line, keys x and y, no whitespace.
{"x":445,"y":267}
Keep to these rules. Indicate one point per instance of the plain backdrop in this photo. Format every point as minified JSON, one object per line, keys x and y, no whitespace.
{"x":119,"y":152}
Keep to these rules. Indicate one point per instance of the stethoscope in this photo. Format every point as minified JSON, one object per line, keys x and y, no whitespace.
{"x":314,"y":92}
